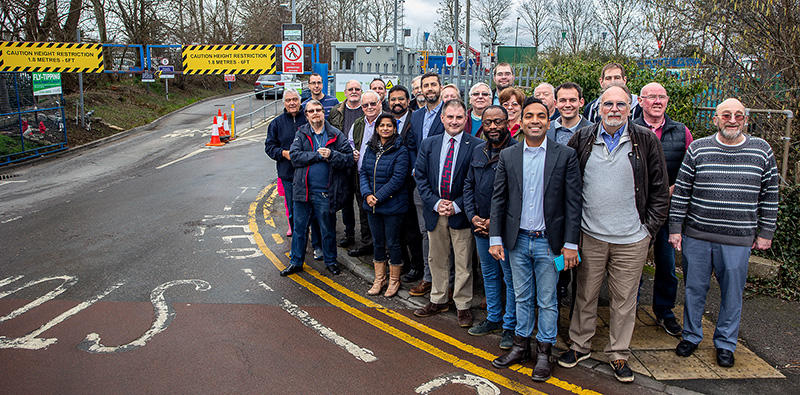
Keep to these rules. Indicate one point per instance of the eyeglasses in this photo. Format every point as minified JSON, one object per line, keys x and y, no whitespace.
{"x":653,"y":97}
{"x":510,"y":104}
{"x":496,"y":121}
{"x":369,"y":104}
{"x":484,"y":94}
{"x":727,"y":117}
{"x":610,"y":104}
{"x":314,"y":110}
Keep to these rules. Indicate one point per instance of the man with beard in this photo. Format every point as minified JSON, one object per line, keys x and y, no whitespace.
{"x":478,"y":205}
{"x":320,"y":154}
{"x":725,"y":203}
{"x":536,"y":214}
{"x":424,"y":123}
{"x":503,"y":78}
{"x":612,"y":74}
{"x":410,"y":238}
{"x":625,"y":202}
{"x":417,"y":100}
{"x":675,"y":138}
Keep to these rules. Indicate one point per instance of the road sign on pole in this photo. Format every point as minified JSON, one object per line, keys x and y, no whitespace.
{"x":292,"y":48}
{"x":450,"y":55}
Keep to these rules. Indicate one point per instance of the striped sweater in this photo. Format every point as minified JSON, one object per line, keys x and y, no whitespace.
{"x":726,"y":194}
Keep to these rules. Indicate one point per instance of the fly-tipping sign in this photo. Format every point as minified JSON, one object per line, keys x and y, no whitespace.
{"x":228,"y":59}
{"x":51,"y":57}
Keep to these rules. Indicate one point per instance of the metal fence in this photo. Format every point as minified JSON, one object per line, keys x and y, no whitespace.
{"x":254,"y":108}
{"x":30,"y":125}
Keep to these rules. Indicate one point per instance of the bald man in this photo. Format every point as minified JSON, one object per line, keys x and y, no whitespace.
{"x":675,"y":138}
{"x":724,"y":204}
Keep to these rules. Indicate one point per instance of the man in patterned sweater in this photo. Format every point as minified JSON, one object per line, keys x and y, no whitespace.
{"x":725,"y":203}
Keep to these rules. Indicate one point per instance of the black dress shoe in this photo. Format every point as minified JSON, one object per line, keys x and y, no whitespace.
{"x":291,"y":269}
{"x":412,"y":275}
{"x":685,"y":348}
{"x":346,"y":241}
{"x":334,"y":269}
{"x":361,"y":251}
{"x":724,"y":358}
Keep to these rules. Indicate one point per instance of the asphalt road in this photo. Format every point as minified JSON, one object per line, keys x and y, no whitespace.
{"x":150,"y":264}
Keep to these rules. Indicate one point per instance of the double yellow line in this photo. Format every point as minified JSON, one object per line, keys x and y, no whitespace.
{"x":430,"y":349}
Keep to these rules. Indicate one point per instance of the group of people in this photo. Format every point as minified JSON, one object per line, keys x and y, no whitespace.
{"x":546,"y":196}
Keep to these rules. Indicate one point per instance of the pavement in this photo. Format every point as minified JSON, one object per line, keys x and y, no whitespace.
{"x":767,"y":357}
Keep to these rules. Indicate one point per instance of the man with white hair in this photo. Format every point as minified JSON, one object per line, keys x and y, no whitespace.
{"x":480,"y":97}
{"x":358,"y":136}
{"x":724,"y":204}
{"x":547,"y":94}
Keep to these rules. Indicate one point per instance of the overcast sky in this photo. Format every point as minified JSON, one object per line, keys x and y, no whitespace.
{"x":420,"y":15}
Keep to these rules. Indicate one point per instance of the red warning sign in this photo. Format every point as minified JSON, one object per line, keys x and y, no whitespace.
{"x":293,"y":57}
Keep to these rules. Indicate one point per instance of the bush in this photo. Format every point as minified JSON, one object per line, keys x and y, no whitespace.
{"x":785,"y":249}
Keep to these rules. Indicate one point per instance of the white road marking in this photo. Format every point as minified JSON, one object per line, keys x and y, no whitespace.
{"x":31,"y":342}
{"x":189,"y":155}
{"x":66,"y":282}
{"x":11,"y":219}
{"x":228,"y":216}
{"x":9,"y":280}
{"x":164,"y":314}
{"x":227,"y":208}
{"x":229,"y":239}
{"x":481,"y":385}
{"x":360,"y":353}
{"x":244,"y":228}
{"x":11,"y":181}
{"x":231,"y":253}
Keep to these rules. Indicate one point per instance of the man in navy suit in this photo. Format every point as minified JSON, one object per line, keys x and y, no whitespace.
{"x":536,"y":216}
{"x":440,"y":171}
{"x":425,"y":122}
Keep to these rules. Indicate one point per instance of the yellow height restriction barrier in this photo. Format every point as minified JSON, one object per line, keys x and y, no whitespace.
{"x":228,"y":59}
{"x":51,"y":57}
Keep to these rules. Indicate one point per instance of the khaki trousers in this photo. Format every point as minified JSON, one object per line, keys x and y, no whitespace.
{"x":440,"y":240}
{"x":623,"y":263}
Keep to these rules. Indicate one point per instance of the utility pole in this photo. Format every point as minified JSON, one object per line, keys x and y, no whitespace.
{"x":394,"y":65}
{"x":80,"y":88}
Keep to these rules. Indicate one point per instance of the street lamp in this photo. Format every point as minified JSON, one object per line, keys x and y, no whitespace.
{"x":287,"y":5}
{"x":517,"y":33}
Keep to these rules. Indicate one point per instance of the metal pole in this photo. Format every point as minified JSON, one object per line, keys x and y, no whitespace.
{"x":455,"y":73}
{"x":395,"y":37}
{"x":516,"y":34}
{"x":468,"y":54}
{"x":293,"y":13}
{"x":80,"y":89}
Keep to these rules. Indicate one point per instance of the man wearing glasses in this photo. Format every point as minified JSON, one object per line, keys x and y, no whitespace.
{"x":480,"y":97}
{"x":625,"y":201}
{"x":315,"y":86}
{"x":342,"y":117}
{"x":359,"y":135}
{"x":675,"y":138}
{"x":503,"y":78}
{"x":725,"y":203}
{"x":320,"y":154}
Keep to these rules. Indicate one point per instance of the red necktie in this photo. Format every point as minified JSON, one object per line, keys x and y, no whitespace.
{"x":447,"y":170}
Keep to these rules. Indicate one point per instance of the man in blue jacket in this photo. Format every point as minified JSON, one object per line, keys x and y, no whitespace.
{"x":319,"y":154}
{"x":280,"y":135}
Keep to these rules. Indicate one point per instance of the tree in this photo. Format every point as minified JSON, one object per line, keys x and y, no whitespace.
{"x":537,"y":17}
{"x":491,"y":14}
{"x":444,"y":31}
{"x":620,"y":21}
{"x":576,"y":20}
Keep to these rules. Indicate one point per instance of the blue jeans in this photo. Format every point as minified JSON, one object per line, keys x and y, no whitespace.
{"x":729,"y":264}
{"x":535,"y":273}
{"x":495,"y":273}
{"x":317,"y":208}
{"x":288,"y":193}
{"x":665,"y":283}
{"x":386,"y":235}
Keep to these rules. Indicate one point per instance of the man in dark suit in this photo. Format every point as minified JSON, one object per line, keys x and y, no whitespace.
{"x":536,"y":216}
{"x":425,"y":122}
{"x":440,"y":172}
{"x":410,"y":236}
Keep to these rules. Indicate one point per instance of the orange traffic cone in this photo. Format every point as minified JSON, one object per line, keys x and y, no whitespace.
{"x":227,"y":127}
{"x":214,"y":137}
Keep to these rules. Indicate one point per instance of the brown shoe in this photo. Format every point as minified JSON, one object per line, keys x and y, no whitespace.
{"x":394,"y":280}
{"x":545,"y":362}
{"x":431,"y":309}
{"x":520,"y":352}
{"x":464,"y":318}
{"x":380,"y":278}
{"x":421,"y":289}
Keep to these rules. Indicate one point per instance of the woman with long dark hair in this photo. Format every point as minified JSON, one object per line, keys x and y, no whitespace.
{"x":383,"y":172}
